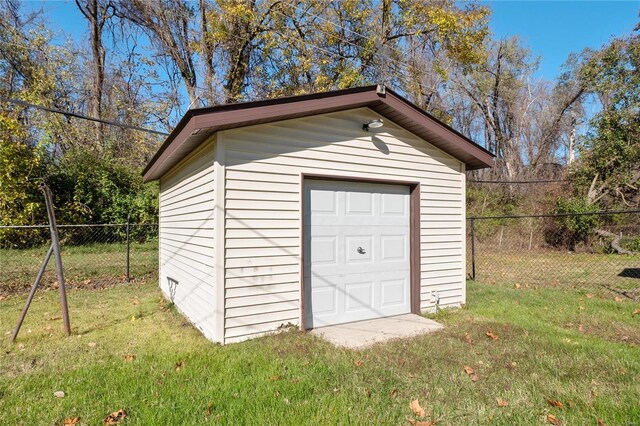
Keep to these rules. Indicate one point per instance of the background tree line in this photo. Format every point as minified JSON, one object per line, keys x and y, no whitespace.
{"x":145,"y":62}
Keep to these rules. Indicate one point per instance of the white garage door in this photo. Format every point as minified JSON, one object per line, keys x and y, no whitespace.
{"x":356,"y":252}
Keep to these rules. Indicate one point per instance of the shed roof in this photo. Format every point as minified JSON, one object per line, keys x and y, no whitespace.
{"x":199,"y":124}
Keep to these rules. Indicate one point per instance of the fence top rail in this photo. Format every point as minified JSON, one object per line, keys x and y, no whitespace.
{"x":84,"y":225}
{"x":600,"y":213}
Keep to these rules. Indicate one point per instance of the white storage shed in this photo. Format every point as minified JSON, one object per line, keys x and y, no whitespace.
{"x":311,"y":210}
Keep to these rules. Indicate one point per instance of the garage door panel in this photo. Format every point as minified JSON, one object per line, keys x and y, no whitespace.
{"x":358,"y":251}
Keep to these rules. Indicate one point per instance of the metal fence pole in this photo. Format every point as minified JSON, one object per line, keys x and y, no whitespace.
{"x":128,"y":247}
{"x":473,"y":249}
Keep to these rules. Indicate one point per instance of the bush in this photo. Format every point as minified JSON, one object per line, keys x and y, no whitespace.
{"x":569,"y":231}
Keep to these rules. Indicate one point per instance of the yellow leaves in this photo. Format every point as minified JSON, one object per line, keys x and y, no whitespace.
{"x":553,"y":419}
{"x":471,"y":373}
{"x":113,"y":418}
{"x":555,"y":403}
{"x":490,"y":334}
{"x":416,"y":409}
{"x":501,"y":402}
{"x":72,"y":421}
{"x":635,"y":312}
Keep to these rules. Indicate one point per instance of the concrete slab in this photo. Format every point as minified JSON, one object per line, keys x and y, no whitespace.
{"x":358,"y":335}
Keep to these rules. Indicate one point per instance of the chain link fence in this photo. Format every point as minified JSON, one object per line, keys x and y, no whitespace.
{"x":597,"y":253}
{"x":93,"y":256}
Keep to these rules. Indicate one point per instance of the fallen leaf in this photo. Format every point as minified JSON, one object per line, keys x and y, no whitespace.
{"x":180,"y":365}
{"x":92,"y":344}
{"x":135,"y":302}
{"x":569,"y":403}
{"x":469,"y":370}
{"x":274,"y":378}
{"x":581,"y":308}
{"x":129,"y":357}
{"x":467,"y":338}
{"x":517,"y":285}
{"x":618,"y":299}
{"x":590,"y":295}
{"x":58,"y":394}
{"x":491,"y":335}
{"x":636,"y":312}
{"x":113,"y":418}
{"x":358,"y":363}
{"x":421,"y":422}
{"x":501,"y":402}
{"x":600,"y":422}
{"x":474,"y":378}
{"x":417,"y":409}
{"x":55,"y":318}
{"x":581,"y":328}
{"x":553,"y":419}
{"x":555,"y":403}
{"x":208,"y":410}
{"x":394,"y":393}
{"x":71,"y":421}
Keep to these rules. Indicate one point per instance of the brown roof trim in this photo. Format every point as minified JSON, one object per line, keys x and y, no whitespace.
{"x":181,"y":141}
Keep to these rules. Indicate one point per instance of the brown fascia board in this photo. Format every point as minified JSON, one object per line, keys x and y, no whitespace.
{"x":249,"y":113}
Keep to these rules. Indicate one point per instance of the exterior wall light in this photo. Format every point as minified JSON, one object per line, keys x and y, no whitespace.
{"x":373,"y":124}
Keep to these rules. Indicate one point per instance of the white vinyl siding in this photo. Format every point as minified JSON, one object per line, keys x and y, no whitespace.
{"x":187,"y":238}
{"x":263,"y":167}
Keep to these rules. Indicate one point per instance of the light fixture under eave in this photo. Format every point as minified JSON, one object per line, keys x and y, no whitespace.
{"x":373,"y":124}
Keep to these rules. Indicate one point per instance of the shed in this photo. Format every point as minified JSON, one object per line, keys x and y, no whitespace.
{"x":301,"y":210}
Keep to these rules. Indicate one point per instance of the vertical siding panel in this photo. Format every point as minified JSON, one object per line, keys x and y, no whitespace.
{"x":275,"y":155}
{"x":187,"y":239}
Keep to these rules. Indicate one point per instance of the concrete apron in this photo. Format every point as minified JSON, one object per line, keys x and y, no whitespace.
{"x":358,"y":335}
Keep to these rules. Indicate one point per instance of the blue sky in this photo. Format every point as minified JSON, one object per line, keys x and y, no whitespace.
{"x":554,"y":29}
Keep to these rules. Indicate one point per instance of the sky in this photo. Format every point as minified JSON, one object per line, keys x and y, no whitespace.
{"x":554,"y":29}
{"x":551,"y":29}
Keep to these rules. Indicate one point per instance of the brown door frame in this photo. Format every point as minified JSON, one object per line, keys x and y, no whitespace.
{"x":414,"y":232}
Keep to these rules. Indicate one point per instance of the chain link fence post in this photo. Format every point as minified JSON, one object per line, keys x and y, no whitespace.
{"x":128,"y":247}
{"x":473,"y":249}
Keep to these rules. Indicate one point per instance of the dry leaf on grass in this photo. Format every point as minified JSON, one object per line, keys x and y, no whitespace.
{"x":517,"y":285}
{"x":180,"y":365}
{"x":553,"y":419}
{"x":417,"y":410}
{"x":474,"y":378}
{"x":135,"y":302}
{"x":274,"y":378}
{"x":58,"y":394}
{"x":555,"y":403}
{"x":467,"y":338}
{"x":600,"y":422}
{"x":394,"y":393}
{"x":501,"y":402}
{"x":636,"y":312}
{"x":491,"y":335}
{"x":113,"y":418}
{"x":129,"y":357}
{"x":71,"y":421}
{"x":582,"y":308}
{"x":618,"y":299}
{"x":469,"y":370}
{"x":590,"y":295}
{"x":208,"y":413}
{"x":358,"y":363}
{"x":421,"y":422}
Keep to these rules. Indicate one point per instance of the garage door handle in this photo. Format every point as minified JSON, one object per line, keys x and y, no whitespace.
{"x":361,"y":250}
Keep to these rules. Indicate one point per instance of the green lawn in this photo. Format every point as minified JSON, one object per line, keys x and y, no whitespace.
{"x":552,"y":344}
{"x":602,"y":274}
{"x":90,"y":265}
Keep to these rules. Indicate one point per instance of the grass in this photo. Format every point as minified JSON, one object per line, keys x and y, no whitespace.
{"x":604,"y":274}
{"x":90,"y":265}
{"x":552,"y":344}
